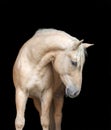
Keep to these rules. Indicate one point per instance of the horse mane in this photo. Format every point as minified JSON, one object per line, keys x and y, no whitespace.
{"x":47,"y":40}
{"x":55,"y":39}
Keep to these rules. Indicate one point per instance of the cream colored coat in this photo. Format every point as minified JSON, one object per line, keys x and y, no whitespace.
{"x":48,"y":64}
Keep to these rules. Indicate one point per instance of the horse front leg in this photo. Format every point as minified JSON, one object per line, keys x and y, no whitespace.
{"x":37,"y":105}
{"x":58,"y":105}
{"x":45,"y":108}
{"x":21,"y":99}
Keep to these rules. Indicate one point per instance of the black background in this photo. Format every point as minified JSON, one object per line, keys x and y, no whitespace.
{"x":85,"y":20}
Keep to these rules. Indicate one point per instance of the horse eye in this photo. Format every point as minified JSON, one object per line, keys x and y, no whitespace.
{"x":74,"y":63}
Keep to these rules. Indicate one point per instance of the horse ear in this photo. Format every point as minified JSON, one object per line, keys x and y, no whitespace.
{"x":77,"y":44}
{"x":86,"y":45}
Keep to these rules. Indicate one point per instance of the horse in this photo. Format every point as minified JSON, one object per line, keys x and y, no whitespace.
{"x":48,"y":66}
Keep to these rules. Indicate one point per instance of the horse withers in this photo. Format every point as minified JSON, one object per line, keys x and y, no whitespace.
{"x":48,"y":66}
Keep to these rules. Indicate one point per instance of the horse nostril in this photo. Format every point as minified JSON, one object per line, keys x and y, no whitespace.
{"x":76,"y":93}
{"x":68,"y":91}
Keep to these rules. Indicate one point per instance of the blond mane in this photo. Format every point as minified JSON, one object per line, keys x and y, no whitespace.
{"x":81,"y":51}
{"x":50,"y":40}
{"x":53,"y":38}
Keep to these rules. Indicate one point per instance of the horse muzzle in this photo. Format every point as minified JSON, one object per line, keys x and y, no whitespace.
{"x":72,"y":92}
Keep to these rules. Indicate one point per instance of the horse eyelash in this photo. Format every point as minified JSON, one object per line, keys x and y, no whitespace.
{"x":74,"y":63}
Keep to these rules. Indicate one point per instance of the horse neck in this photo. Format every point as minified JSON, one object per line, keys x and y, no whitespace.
{"x":40,"y":50}
{"x":41,"y":45}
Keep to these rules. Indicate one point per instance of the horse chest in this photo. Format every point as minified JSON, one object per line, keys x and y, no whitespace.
{"x":35,"y":92}
{"x":37,"y":84}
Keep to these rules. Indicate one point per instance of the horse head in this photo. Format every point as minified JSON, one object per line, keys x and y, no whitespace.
{"x":69,"y":65}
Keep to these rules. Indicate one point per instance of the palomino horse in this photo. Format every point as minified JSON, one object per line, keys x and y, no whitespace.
{"x":47,"y":66}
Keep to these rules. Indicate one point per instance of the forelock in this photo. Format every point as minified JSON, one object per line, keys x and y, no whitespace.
{"x":81,"y":52}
